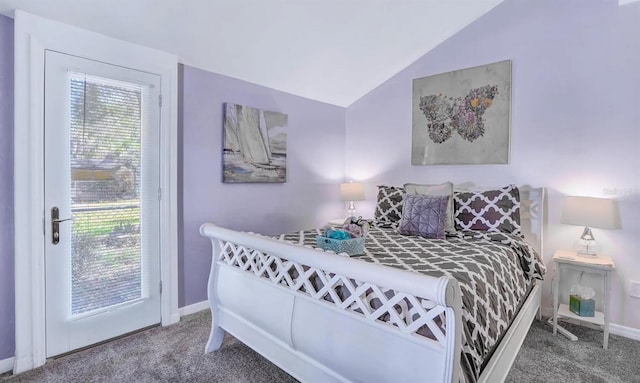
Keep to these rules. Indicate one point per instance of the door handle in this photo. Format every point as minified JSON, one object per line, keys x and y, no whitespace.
{"x":55,"y":224}
{"x":62,"y":220}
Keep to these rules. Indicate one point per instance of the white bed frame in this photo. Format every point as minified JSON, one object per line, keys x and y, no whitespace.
{"x":253,"y":297}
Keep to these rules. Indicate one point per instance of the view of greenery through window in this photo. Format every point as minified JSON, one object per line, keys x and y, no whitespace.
{"x":105,"y":119}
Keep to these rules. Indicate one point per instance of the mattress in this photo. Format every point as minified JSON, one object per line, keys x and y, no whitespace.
{"x":495,"y":271}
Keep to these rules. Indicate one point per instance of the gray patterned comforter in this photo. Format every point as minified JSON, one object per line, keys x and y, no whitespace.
{"x":495,"y":271}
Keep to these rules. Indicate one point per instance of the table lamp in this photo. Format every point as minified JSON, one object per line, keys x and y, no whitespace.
{"x":589,"y":212}
{"x":352,"y":191}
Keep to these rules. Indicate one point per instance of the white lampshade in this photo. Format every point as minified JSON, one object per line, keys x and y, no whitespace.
{"x":352,"y":191}
{"x":589,"y":212}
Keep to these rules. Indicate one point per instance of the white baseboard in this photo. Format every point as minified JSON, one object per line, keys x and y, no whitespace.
{"x":627,"y":332}
{"x":6,"y":365}
{"x":614,"y":328}
{"x":194,"y":308}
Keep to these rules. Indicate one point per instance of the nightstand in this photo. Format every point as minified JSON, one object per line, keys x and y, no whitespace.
{"x":603,"y":265}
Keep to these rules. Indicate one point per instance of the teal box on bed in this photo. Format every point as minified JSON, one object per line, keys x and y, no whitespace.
{"x":350,"y":246}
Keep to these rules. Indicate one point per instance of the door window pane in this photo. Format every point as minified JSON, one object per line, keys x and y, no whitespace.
{"x":106,"y":124}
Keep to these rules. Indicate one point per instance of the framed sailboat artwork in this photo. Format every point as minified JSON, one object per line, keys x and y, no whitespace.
{"x":255,"y":145}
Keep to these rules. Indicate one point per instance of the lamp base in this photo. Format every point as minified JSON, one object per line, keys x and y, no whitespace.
{"x":351,"y":210}
{"x":587,"y":246}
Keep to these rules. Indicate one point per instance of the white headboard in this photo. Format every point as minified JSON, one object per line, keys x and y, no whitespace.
{"x":532,"y":209}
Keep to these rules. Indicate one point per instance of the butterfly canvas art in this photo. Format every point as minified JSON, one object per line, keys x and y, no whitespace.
{"x":462,"y":117}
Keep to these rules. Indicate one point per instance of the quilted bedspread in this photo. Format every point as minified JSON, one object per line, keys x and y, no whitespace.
{"x":495,"y":271}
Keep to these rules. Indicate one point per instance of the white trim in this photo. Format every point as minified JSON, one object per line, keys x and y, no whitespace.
{"x":627,"y":332}
{"x":32,"y":36}
{"x":28,"y":199}
{"x":6,"y":365}
{"x":169,"y":203}
{"x":194,"y":308}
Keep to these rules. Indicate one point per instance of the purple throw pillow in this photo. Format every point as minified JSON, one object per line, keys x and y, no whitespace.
{"x":424,"y":216}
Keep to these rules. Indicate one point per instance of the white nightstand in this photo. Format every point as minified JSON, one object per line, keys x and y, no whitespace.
{"x":601,"y":264}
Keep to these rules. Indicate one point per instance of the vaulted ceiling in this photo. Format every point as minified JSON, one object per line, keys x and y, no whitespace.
{"x":333,"y":51}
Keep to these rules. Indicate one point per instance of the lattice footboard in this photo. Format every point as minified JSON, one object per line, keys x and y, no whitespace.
{"x":410,"y":314}
{"x":353,"y":301}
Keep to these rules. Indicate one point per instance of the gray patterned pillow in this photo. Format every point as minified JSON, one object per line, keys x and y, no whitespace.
{"x":489,"y":210}
{"x":389,"y":206}
{"x":424,"y":216}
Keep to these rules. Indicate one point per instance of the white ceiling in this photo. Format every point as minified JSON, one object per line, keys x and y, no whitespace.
{"x":333,"y":51}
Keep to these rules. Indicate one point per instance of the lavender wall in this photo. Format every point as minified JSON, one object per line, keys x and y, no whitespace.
{"x":6,"y":189}
{"x":575,"y":118}
{"x":315,"y":165}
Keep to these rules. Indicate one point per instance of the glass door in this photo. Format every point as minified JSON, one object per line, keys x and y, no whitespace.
{"x":101,"y":192}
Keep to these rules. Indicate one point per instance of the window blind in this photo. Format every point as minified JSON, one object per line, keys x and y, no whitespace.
{"x":107,"y":125}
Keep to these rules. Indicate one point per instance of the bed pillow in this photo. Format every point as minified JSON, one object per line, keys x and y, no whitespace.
{"x":389,"y":205}
{"x":443,"y":189}
{"x":489,"y":210}
{"x":424,"y":216}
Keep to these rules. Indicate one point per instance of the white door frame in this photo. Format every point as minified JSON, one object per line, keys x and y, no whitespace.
{"x":33,"y":35}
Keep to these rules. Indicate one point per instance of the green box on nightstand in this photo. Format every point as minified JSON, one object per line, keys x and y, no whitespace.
{"x":582,"y":307}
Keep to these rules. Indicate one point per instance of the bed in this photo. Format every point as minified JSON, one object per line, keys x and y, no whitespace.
{"x":408,"y":309}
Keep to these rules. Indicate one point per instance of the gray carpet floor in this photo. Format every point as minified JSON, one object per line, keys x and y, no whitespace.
{"x":175,"y":354}
{"x":547,"y":358}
